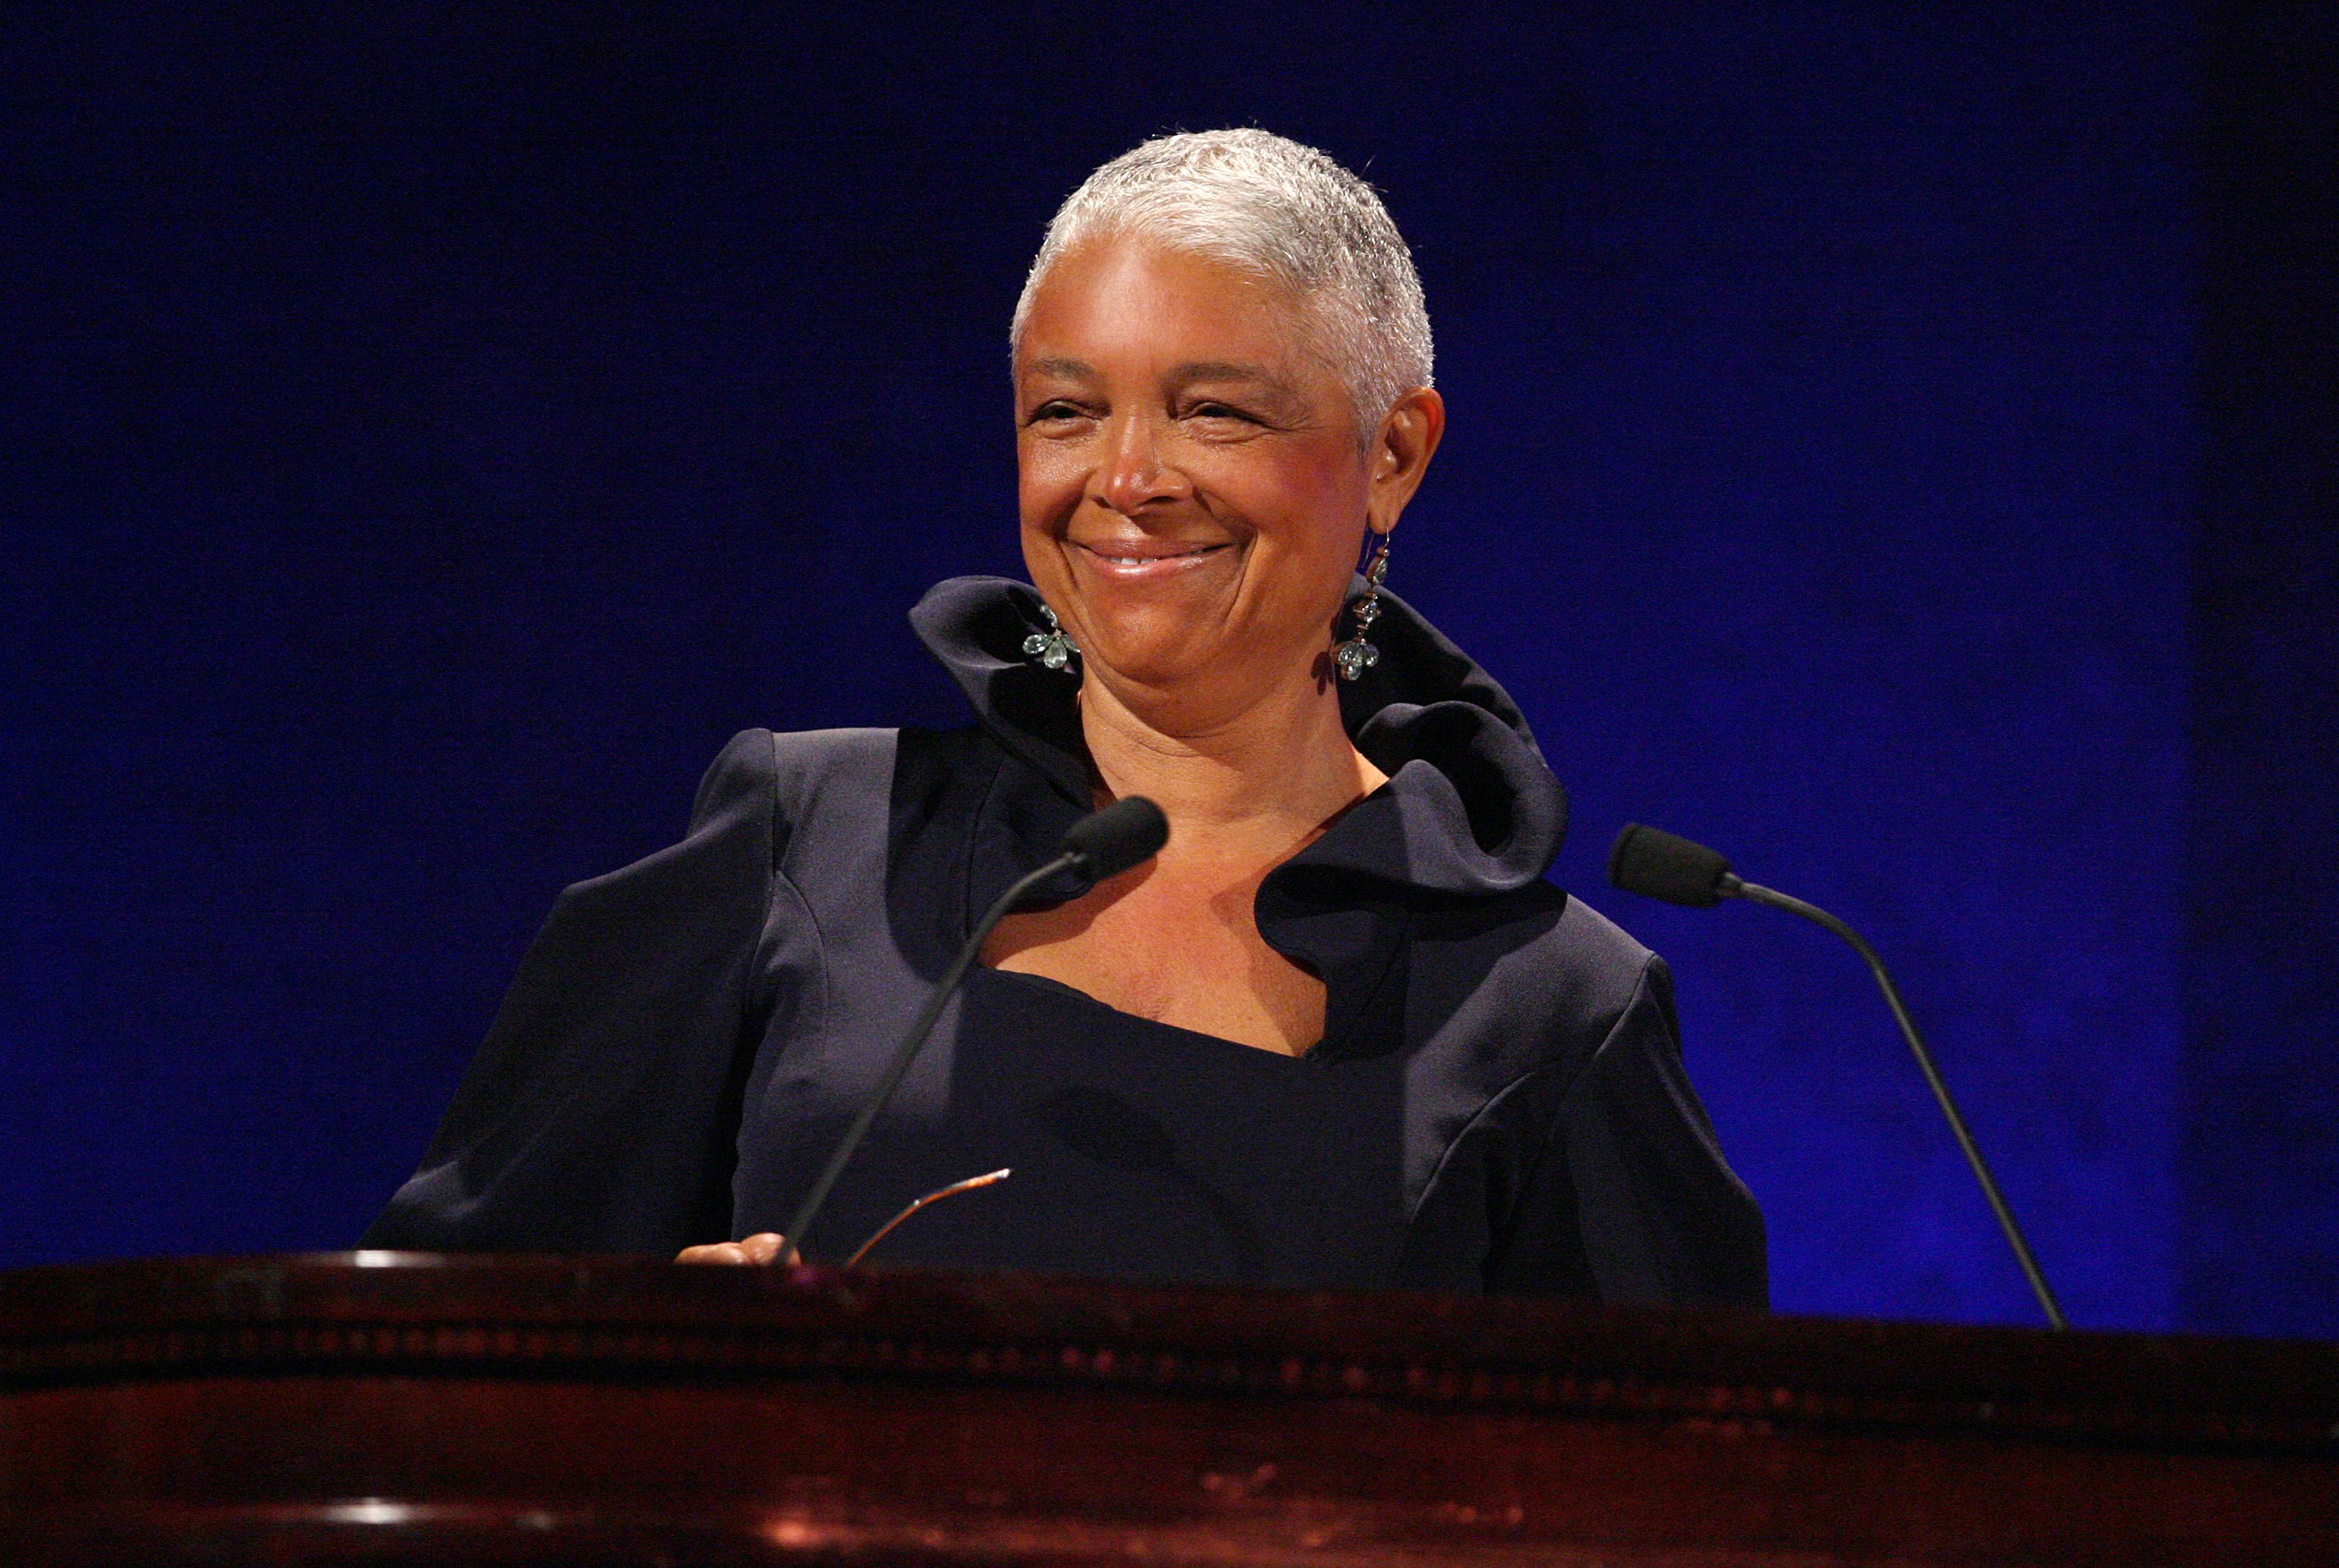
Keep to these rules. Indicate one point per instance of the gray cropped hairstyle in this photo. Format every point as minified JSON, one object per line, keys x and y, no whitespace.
{"x":1274,"y":207}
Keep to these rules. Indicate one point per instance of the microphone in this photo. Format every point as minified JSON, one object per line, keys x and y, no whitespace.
{"x":1658,"y":865}
{"x":1662,"y":866}
{"x":1107,"y":843}
{"x":1103,"y":844}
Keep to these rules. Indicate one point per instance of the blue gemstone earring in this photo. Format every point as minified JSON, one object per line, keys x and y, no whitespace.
{"x":1051,"y":647}
{"x":1355,"y":655}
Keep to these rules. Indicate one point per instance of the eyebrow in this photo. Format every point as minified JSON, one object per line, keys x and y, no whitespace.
{"x":1227,"y":370}
{"x":1192,"y":371}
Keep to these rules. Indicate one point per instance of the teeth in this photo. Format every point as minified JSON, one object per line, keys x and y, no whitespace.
{"x":1148,"y":560}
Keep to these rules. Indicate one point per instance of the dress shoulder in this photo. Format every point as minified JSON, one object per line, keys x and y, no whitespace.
{"x":826,"y":790}
{"x":1601,"y":967}
{"x":789,"y":770}
{"x":599,"y":1114}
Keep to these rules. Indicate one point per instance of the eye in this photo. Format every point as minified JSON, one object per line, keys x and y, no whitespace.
{"x":1213,"y":410}
{"x":1054,"y":410}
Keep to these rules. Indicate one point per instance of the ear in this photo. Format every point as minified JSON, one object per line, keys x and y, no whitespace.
{"x":1400,"y":453}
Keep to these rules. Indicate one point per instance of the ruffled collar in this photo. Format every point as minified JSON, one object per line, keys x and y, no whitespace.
{"x":1470,"y":807}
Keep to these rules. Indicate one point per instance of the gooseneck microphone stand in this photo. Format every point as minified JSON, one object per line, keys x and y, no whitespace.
{"x":1664,"y":866}
{"x":1752,"y":893}
{"x":1104,"y":844}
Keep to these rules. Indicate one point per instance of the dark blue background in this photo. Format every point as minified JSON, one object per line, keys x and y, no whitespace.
{"x":427,"y":432}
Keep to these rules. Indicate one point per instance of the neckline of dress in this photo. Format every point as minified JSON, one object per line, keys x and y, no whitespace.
{"x":1075,"y":993}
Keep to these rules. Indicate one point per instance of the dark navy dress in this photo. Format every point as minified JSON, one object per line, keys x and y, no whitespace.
{"x":1290,"y":1173}
{"x":1497,"y":1104}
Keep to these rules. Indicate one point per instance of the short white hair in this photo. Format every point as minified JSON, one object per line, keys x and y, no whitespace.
{"x":1276,"y":208}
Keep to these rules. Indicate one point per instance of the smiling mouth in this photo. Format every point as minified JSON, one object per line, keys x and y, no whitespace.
{"x":1149,"y":558}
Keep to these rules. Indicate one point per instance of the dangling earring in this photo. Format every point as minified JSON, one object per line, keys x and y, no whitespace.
{"x":1357,"y":656}
{"x":1051,"y":647}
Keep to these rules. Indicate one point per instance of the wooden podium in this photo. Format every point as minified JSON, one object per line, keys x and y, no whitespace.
{"x":398,"y":1408}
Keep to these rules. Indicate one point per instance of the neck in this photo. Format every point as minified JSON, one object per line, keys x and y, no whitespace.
{"x":1251,"y":779}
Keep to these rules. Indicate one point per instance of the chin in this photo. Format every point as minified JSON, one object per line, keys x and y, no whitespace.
{"x":1143,"y":649}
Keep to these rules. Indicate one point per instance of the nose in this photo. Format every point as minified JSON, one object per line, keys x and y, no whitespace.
{"x":1136,"y":472}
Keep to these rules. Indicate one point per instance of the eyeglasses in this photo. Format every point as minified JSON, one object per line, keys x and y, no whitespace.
{"x":953,"y":1190}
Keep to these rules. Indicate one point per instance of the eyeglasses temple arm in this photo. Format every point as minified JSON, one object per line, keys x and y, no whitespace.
{"x":953,"y":1190}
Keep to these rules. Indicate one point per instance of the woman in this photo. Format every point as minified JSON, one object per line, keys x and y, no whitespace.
{"x":1339,"y":1032}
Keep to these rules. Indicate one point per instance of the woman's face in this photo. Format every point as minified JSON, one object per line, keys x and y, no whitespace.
{"x":1193,"y":490}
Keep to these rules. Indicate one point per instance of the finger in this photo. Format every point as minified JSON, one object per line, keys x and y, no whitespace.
{"x":763,"y":1247}
{"x":714,"y":1252}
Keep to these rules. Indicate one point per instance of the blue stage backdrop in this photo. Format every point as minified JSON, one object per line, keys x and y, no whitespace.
{"x":425,"y":437}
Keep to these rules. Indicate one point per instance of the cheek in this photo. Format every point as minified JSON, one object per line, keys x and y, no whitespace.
{"x":1309,"y":504}
{"x":1047,"y":484}
{"x":1308,"y":510}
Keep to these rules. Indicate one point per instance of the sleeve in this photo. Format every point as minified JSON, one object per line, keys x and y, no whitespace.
{"x":1631,"y":1194}
{"x":602,"y":1113}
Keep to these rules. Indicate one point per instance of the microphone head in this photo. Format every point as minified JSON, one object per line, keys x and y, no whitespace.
{"x":1125,"y":834}
{"x":1658,"y":865}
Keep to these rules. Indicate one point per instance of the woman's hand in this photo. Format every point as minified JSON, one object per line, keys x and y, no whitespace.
{"x":765,"y":1247}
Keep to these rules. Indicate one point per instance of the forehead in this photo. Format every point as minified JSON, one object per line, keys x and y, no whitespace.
{"x":1132,"y":306}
